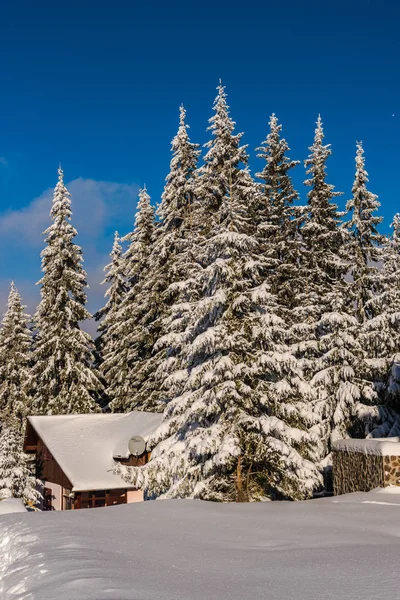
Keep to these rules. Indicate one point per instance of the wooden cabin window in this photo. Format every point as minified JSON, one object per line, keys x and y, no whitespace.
{"x":99,"y":498}
{"x":93,"y":499}
{"x":47,"y":499}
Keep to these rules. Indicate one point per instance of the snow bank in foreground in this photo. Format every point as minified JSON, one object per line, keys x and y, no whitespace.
{"x":11,"y":505}
{"x":338,"y":549}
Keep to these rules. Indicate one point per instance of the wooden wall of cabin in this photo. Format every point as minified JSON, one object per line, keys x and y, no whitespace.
{"x":48,"y":468}
{"x":136,"y":461}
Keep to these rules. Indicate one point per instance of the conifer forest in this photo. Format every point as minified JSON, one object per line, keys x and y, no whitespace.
{"x":261,"y":320}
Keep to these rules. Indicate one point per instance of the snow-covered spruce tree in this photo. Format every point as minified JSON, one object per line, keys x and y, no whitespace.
{"x":176,"y":205}
{"x":375,"y":331}
{"x":172,"y":265}
{"x":217,"y":440}
{"x":390,"y":273}
{"x":65,"y":379}
{"x":129,"y":340}
{"x":283,"y":391}
{"x":117,"y":288}
{"x":279,"y":218}
{"x":140,"y":240}
{"x":115,"y":279}
{"x":324,"y":325}
{"x":365,"y":241}
{"x":15,"y":371}
{"x":16,"y":477}
{"x":384,"y":329}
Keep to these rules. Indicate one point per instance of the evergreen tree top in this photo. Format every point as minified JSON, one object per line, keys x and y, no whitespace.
{"x":177,"y":193}
{"x":363,"y":205}
{"x":222,"y":177}
{"x":61,"y":206}
{"x":62,"y":258}
{"x":115,"y":278}
{"x":323,"y":211}
{"x":14,"y":303}
{"x":224,"y":144}
{"x":117,"y":248}
{"x":144,"y":218}
{"x":15,"y":356}
{"x":114,"y":271}
{"x":141,"y":238}
{"x":278,"y":187}
{"x":273,"y":151}
{"x":395,"y":225}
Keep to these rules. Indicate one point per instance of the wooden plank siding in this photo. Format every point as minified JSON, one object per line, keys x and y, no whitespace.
{"x":48,"y":468}
{"x":30,"y":440}
{"x":135,"y":461}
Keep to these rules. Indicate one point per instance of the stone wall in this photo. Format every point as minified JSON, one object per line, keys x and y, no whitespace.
{"x":357,"y":472}
{"x":391,"y":467}
{"x":362,"y":465}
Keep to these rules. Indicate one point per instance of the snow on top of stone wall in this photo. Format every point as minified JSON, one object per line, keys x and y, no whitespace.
{"x":377,"y":446}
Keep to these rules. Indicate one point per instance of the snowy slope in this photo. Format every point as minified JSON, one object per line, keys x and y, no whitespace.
{"x":335,"y":549}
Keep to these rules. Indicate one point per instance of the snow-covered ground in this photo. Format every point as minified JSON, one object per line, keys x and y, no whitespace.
{"x":11,"y":505}
{"x":343,"y":548}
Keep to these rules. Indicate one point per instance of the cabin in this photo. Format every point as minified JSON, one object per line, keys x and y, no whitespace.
{"x":76,"y":455}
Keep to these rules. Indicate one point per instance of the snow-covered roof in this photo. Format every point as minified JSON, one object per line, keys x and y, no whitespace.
{"x":84,"y":445}
{"x":378,"y":446}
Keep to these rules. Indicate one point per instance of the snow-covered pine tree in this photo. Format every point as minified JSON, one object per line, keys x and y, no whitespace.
{"x":65,"y":379}
{"x":384,"y":329}
{"x":215,"y":441}
{"x":324,"y":323}
{"x":15,"y":357}
{"x":176,"y":206}
{"x":390,"y":272}
{"x":115,"y":279}
{"x":129,"y":340}
{"x":282,"y":389}
{"x":365,"y":253}
{"x":140,"y":240}
{"x":365,"y":241}
{"x":16,"y":477}
{"x":279,"y":218}
{"x":390,"y":286}
{"x":172,"y":265}
{"x":321,"y":232}
{"x":117,"y":288}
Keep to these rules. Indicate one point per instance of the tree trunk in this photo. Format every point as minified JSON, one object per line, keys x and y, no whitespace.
{"x":241,"y":495}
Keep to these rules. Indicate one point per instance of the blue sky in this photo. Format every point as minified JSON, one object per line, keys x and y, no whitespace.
{"x":97,"y":86}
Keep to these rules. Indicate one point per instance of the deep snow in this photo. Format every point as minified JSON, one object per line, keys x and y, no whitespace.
{"x":343,"y":548}
{"x":11,"y":505}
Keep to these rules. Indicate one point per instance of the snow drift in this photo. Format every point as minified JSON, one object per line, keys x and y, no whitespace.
{"x":345,"y":548}
{"x":11,"y":505}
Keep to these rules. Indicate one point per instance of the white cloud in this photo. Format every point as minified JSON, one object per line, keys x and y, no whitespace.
{"x":98,"y":208}
{"x":95,"y":205}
